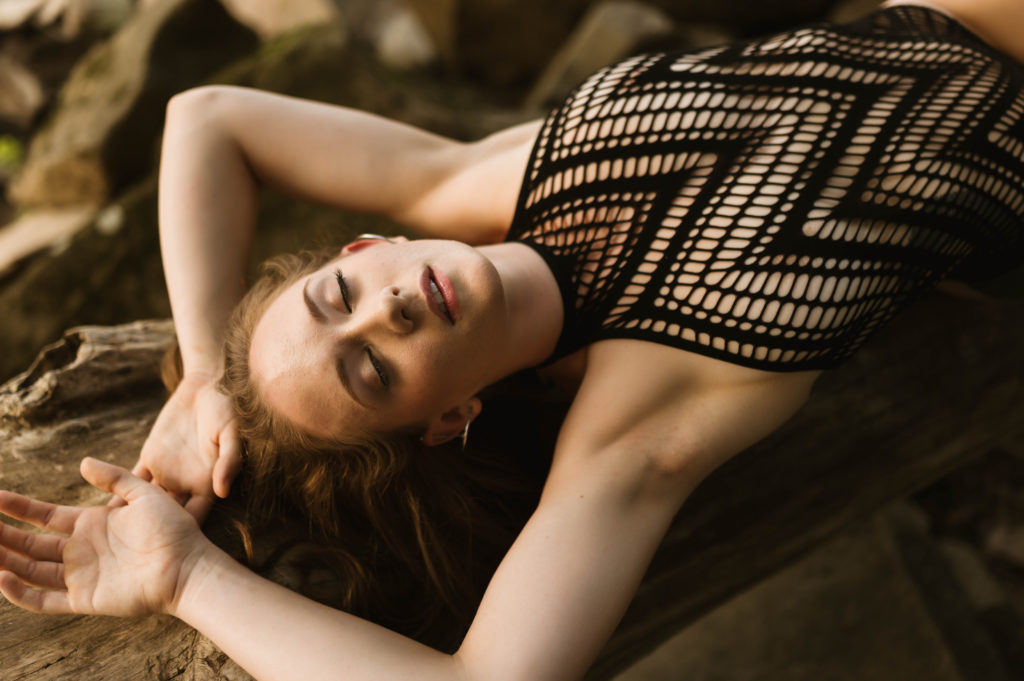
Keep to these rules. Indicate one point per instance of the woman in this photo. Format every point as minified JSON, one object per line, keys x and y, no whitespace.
{"x":401,"y":336}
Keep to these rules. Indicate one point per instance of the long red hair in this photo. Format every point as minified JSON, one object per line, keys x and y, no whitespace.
{"x":402,"y":534}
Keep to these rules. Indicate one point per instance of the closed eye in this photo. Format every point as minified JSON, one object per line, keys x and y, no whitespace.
{"x":344,"y":290}
{"x":379,"y":368}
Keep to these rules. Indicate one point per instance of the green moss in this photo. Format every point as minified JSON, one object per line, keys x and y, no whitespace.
{"x":12,"y":153}
{"x":97,"y":64}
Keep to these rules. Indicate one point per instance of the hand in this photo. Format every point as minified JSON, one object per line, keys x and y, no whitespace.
{"x":193,"y":450}
{"x":123,"y":561}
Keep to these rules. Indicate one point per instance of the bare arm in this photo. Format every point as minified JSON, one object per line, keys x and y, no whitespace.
{"x":554,"y":601}
{"x":631,"y":451}
{"x":207,"y":214}
{"x":220,"y":145}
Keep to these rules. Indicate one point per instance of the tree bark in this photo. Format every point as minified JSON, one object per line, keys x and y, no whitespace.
{"x":937,"y":387}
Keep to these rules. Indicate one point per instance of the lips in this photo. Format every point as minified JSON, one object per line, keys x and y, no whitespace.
{"x":440,"y":295}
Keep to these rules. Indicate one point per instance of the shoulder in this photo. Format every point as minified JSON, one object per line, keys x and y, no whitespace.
{"x":474,"y":199}
{"x":670,"y":417}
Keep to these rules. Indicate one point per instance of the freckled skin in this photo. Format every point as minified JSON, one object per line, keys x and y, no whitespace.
{"x":432,"y":365}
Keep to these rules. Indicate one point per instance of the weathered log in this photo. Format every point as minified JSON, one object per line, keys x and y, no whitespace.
{"x":937,"y":387}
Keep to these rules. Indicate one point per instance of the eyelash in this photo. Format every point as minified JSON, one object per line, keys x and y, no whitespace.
{"x":378,"y":368}
{"x":344,"y":289}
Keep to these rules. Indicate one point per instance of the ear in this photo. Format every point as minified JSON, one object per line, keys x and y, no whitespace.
{"x":451,"y":423}
{"x":367,"y":240}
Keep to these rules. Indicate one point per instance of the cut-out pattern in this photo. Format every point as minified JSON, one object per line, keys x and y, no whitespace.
{"x":773,"y":202}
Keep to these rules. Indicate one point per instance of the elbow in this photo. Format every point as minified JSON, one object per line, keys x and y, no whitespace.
{"x":198,"y":105}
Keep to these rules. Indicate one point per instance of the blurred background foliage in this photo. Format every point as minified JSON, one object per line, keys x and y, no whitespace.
{"x":84,"y":83}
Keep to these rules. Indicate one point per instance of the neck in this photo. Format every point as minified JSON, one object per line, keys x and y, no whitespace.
{"x":533,"y":303}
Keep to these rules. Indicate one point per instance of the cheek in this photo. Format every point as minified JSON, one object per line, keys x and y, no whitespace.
{"x":433,"y":369}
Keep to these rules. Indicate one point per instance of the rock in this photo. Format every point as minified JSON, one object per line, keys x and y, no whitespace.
{"x":107,"y":16}
{"x":608,"y":32}
{"x":15,"y":13}
{"x":849,"y":10}
{"x":35,"y":230}
{"x":403,"y":42}
{"x":71,"y":17}
{"x":847,"y":611}
{"x":695,"y":35}
{"x":86,"y":277}
{"x":10,"y":160}
{"x":271,"y":18}
{"x":502,"y":43}
{"x":750,"y":16}
{"x":102,"y":132}
{"x":981,"y":588}
{"x":506,"y":44}
{"x":945,"y":595}
{"x":67,"y":16}
{"x":324,"y":63}
{"x":1006,"y":542}
{"x":440,"y":19}
{"x":110,"y":270}
{"x":21,"y":93}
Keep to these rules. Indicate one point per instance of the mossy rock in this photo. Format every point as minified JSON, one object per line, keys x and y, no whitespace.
{"x":98,"y":137}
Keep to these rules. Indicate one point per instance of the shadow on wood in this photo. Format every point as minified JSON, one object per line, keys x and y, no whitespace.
{"x":937,"y":387}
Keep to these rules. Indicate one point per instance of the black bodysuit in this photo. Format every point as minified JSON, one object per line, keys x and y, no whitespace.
{"x":772,"y":202}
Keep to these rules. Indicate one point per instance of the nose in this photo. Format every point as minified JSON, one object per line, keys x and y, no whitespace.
{"x":394,"y":310}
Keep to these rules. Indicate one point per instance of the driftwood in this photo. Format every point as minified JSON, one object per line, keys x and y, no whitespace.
{"x":937,"y":387}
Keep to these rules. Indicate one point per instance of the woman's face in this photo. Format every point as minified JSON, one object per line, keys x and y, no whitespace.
{"x":391,"y":334}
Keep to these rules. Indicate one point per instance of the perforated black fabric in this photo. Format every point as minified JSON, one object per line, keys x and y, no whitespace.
{"x":773,"y":202}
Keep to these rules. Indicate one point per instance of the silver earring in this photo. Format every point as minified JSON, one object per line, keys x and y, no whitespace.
{"x":372,"y":237}
{"x":465,"y":434}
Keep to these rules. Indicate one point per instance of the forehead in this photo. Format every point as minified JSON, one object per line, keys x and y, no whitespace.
{"x":290,"y":362}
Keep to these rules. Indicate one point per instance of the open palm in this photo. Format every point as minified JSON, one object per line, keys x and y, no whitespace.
{"x":104,"y":560}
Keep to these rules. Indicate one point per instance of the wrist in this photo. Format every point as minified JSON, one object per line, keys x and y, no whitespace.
{"x":202,"y":360}
{"x":206,"y":371}
{"x":206,"y":564}
{"x":200,"y":378}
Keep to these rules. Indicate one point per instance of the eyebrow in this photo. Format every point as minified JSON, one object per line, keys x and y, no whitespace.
{"x":314,"y":310}
{"x":339,"y":365}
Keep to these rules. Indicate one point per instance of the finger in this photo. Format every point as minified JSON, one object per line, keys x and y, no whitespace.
{"x":199,"y":506}
{"x":142,"y":472}
{"x":229,"y":463}
{"x":39,"y":513}
{"x":42,"y":573}
{"x":111,"y":478}
{"x":45,"y":602}
{"x":38,"y":546}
